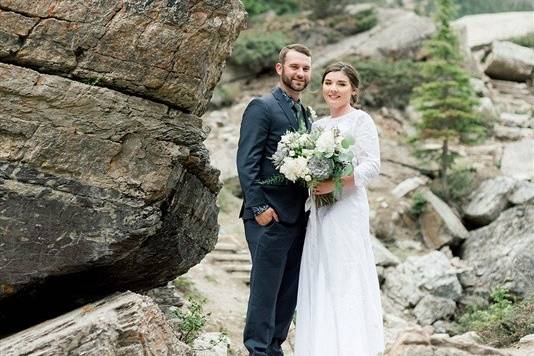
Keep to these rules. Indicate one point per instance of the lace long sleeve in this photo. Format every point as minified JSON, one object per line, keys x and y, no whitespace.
{"x":367,"y":159}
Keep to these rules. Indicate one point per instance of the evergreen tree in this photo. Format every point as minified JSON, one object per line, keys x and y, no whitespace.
{"x":446,"y":99}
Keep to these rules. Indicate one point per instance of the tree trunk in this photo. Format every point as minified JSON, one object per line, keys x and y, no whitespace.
{"x":443,"y":170}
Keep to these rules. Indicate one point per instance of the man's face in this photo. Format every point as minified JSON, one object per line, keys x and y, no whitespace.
{"x":295,"y":73}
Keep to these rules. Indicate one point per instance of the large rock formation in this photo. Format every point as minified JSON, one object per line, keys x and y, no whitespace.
{"x":124,"y":324}
{"x":105,"y":183}
{"x":509,"y":61}
{"x":501,"y":253}
{"x":483,"y":29}
{"x":170,"y":51}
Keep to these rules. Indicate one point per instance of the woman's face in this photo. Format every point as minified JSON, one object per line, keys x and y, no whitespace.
{"x":337,"y":89}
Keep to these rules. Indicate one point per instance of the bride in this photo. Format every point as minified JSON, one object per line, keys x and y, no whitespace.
{"x":338,"y":308}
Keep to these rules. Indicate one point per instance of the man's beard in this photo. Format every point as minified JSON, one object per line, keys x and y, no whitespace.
{"x":289,"y":83}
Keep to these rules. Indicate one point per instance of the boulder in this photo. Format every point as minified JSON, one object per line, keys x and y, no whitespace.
{"x":105,"y":183}
{"x":169,"y":51}
{"x":418,"y":341}
{"x":483,"y":29}
{"x":383,"y":257}
{"x":408,"y":185}
{"x":515,"y":120}
{"x":431,"y":308}
{"x":439,"y":224}
{"x":523,"y":193}
{"x":517,"y":160}
{"x":398,"y":34}
{"x":488,"y":200}
{"x":123,"y":324}
{"x":407,"y":283}
{"x":512,"y":133}
{"x":509,"y":61}
{"x":501,"y":253}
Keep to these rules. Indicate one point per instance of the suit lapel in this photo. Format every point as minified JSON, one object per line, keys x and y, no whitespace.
{"x":277,"y":93}
{"x":307,"y":119}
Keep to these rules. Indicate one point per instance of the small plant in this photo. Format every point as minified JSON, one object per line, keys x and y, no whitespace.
{"x":461,"y":183}
{"x":418,"y":204}
{"x":192,"y":321}
{"x":503,"y":322}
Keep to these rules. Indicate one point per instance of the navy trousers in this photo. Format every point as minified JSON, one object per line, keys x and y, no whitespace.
{"x":276,"y":252}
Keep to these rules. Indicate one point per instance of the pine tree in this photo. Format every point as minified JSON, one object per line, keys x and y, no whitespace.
{"x":446,"y":99}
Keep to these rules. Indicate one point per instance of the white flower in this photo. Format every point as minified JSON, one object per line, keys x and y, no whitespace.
{"x":292,"y":153}
{"x":313,"y":114}
{"x":295,"y":168}
{"x":326,"y":143}
{"x":307,"y":178}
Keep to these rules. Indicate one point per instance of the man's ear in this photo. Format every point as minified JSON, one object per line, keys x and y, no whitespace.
{"x":278,"y":68}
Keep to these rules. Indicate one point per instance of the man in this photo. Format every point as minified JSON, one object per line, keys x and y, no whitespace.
{"x":273,"y":214}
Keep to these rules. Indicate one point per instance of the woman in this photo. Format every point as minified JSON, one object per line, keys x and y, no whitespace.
{"x":338,"y":309}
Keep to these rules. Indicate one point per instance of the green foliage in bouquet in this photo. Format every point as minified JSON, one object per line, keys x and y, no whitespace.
{"x":311,"y":158}
{"x":257,"y":52}
{"x":446,"y":99}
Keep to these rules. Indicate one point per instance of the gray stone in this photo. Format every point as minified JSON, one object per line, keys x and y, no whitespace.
{"x":398,"y":34}
{"x":517,"y":160}
{"x":431,"y":308}
{"x":479,"y":86}
{"x":488,"y":200}
{"x":170,"y":51}
{"x":509,"y":61}
{"x":515,"y":120}
{"x":418,"y":341}
{"x":523,"y":193}
{"x":487,"y":109}
{"x":124,"y":324}
{"x":211,"y":344}
{"x":408,"y":185}
{"x":383,"y":257}
{"x":513,"y":133}
{"x":410,"y":281}
{"x":501,"y":253}
{"x":483,"y":29}
{"x":439,"y":225}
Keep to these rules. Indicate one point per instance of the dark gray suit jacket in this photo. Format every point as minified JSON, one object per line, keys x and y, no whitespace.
{"x":265,"y":120}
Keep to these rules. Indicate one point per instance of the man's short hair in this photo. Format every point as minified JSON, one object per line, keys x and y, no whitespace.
{"x":295,"y":47}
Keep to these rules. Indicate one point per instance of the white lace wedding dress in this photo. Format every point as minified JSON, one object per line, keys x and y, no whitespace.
{"x":338,"y":310}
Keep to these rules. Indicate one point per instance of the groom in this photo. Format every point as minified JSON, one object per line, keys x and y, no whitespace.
{"x":273,"y":214}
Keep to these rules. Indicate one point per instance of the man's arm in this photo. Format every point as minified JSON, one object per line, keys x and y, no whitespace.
{"x":252,"y":138}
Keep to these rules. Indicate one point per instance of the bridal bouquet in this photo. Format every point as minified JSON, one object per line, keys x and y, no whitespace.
{"x":311,"y":158}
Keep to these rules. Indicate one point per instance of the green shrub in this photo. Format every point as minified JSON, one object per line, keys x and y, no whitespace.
{"x":256,"y":7}
{"x":257,"y":52}
{"x":192,"y":321}
{"x":461,"y":182}
{"x":503,"y":322}
{"x":526,"y":41}
{"x":347,"y":24}
{"x":418,"y":205}
{"x":387,"y":83}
